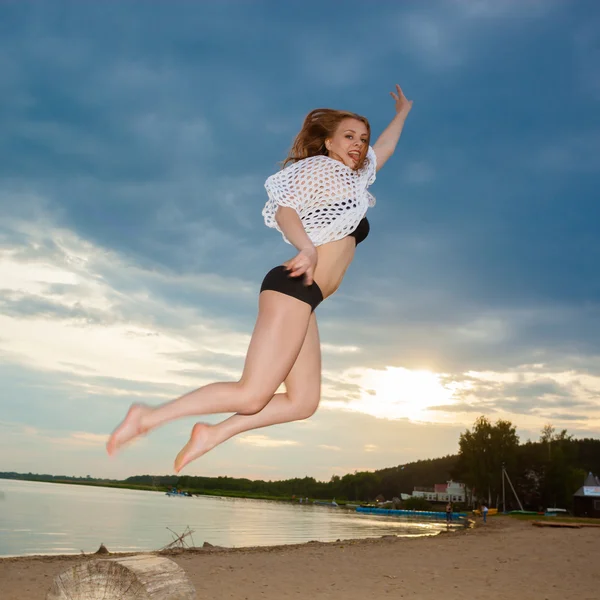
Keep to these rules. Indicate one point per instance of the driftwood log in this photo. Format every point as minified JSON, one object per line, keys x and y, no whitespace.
{"x":127,"y":578}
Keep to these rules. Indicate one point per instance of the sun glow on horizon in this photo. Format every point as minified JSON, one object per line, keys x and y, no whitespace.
{"x":397,"y":392}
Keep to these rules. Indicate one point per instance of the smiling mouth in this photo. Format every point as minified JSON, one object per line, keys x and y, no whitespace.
{"x":354,"y":156}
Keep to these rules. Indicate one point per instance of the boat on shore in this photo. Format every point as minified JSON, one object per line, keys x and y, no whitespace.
{"x":333,"y":503}
{"x":409,"y":513}
{"x":178,"y":493}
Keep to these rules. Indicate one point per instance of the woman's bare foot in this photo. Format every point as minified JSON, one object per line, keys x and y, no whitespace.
{"x":129,"y":429}
{"x":201,"y":441}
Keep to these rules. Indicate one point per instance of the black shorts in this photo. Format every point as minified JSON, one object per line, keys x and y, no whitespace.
{"x":279,"y":280}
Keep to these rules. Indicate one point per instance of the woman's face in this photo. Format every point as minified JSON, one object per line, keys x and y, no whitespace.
{"x":348,"y":142}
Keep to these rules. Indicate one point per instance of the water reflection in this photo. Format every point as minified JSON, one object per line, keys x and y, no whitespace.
{"x":44,"y":518}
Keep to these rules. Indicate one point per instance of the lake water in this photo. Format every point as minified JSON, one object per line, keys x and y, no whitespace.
{"x":49,"y":518}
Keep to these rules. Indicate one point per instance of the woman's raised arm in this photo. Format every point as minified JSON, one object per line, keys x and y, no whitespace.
{"x":386,"y":143}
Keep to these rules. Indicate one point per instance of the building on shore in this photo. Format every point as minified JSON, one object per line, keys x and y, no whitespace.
{"x":452,"y":491}
{"x":586,"y":500}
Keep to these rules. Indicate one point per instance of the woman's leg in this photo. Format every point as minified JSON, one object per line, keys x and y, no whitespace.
{"x":303,"y":392}
{"x":276,"y":341}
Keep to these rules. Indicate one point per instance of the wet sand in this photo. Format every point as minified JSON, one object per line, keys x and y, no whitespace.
{"x":503,"y":559}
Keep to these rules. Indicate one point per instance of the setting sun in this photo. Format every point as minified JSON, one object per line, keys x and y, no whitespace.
{"x":400,"y":393}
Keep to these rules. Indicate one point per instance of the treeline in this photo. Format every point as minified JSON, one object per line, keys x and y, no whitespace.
{"x":544,"y":473}
{"x":51,"y":478}
{"x":358,"y":486}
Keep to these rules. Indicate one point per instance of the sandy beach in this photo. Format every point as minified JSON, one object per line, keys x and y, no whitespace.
{"x":504,"y":559}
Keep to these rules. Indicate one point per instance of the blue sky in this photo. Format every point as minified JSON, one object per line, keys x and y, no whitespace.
{"x":136,"y":138}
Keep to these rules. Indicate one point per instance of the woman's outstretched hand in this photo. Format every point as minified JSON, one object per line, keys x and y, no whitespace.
{"x":304,"y":263}
{"x":403,"y":105}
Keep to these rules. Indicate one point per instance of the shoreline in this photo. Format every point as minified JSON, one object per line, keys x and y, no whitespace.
{"x":118,"y":485}
{"x":505,"y":558}
{"x":471,"y":525}
{"x":215,"y":549}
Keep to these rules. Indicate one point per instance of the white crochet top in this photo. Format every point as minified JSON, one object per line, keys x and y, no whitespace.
{"x":329,"y":197}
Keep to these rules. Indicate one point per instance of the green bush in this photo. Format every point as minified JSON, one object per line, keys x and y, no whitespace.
{"x":415,"y":503}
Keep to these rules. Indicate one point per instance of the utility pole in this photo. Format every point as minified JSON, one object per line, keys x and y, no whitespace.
{"x":505,"y":474}
{"x":503,"y":491}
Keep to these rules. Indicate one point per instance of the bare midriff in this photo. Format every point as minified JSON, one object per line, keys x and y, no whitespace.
{"x":334,"y":259}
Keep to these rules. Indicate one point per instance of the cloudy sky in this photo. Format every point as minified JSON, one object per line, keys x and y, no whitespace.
{"x":136,"y":138}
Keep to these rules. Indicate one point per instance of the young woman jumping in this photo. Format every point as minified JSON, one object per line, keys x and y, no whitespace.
{"x":318,"y":203}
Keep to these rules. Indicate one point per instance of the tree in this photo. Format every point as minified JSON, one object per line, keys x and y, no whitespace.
{"x":416,"y":503}
{"x":556,"y":472}
{"x":482,"y":453}
{"x":362,"y":485}
{"x":548,"y":436}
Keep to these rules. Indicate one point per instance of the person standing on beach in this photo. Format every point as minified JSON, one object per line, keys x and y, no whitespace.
{"x":484,"y":512}
{"x":449,"y":512}
{"x":318,"y":202}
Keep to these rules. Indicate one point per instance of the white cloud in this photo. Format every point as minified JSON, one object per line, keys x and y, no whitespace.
{"x":527,"y":398}
{"x":264,"y":441}
{"x":81,"y":438}
{"x":107,"y":391}
{"x":339,"y":349}
{"x":492,"y":329}
{"x":393,"y":392}
{"x":85,"y":325}
{"x":327,"y":447}
{"x":60,"y":438}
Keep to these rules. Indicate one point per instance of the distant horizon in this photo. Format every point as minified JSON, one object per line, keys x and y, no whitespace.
{"x":213,"y":476}
{"x":132,"y":246}
{"x":180,"y":475}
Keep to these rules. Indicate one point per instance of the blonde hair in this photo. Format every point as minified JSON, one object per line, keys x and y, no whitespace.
{"x":319,"y":125}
